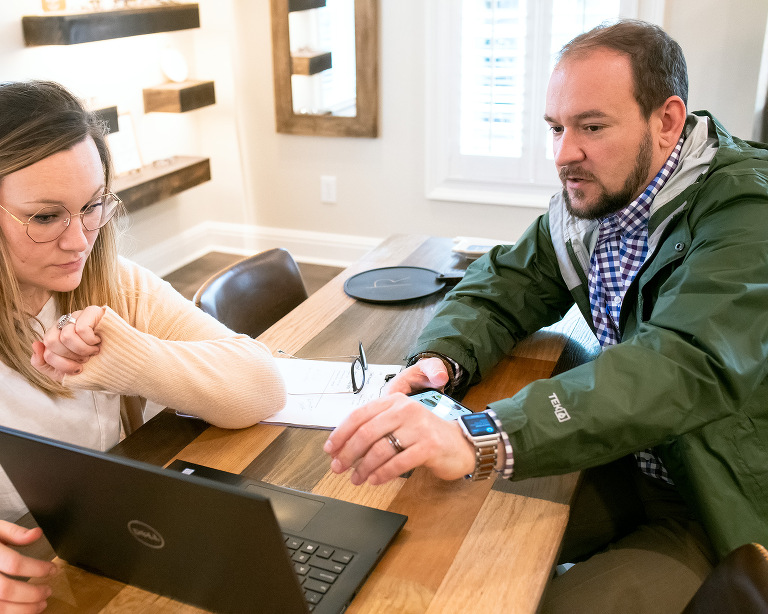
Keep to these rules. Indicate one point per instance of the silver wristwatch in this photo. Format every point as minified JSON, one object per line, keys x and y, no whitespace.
{"x":484,"y":435}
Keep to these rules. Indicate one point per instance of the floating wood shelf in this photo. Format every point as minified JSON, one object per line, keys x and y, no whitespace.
{"x":179,"y":97}
{"x":310,"y":63}
{"x":109,"y":116}
{"x":159,"y":180}
{"x":303,"y":5}
{"x":74,"y":28}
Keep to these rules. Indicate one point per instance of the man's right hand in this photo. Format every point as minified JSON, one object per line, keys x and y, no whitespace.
{"x":427,"y":374}
{"x":16,"y":596}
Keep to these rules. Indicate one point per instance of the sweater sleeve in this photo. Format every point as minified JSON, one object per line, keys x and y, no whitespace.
{"x":163,"y":348}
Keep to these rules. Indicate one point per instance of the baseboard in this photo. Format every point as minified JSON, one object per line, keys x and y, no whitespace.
{"x":305,"y":246}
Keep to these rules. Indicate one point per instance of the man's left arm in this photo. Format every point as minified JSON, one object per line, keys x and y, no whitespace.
{"x":506,"y":295}
{"x":696,"y":356}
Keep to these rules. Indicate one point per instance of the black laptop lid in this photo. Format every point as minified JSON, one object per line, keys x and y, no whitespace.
{"x":173,"y":534}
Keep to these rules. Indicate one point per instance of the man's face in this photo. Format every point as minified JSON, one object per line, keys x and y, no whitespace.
{"x":606,"y":152}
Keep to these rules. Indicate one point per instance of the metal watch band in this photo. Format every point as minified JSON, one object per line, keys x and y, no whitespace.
{"x":485,"y":456}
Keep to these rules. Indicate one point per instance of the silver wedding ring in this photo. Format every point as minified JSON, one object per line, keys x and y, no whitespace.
{"x":395,"y":442}
{"x":64,"y":320}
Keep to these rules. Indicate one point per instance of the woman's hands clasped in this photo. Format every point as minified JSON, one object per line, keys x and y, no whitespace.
{"x":371,"y":438}
{"x":65,"y":349}
{"x":17,"y":596}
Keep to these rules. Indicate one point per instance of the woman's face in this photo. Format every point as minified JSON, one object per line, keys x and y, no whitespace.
{"x":70,"y":178}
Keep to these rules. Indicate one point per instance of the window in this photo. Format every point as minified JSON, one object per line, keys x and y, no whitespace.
{"x":489,"y":63}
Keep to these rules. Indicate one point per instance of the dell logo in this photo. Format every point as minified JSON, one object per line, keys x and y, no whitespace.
{"x":145,"y":534}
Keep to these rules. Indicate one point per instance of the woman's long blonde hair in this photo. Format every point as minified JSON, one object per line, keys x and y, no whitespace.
{"x":37,"y":120}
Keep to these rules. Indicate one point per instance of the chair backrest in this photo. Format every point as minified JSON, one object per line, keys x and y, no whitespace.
{"x":737,"y":585}
{"x":254,"y":293}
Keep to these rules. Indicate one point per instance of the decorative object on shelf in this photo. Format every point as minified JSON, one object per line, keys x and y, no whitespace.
{"x":174,"y":65}
{"x":179,"y":97}
{"x":358,"y":117}
{"x":124,"y":147}
{"x":160,"y":180}
{"x":110,"y":117}
{"x":54,"y":5}
{"x":74,"y":28}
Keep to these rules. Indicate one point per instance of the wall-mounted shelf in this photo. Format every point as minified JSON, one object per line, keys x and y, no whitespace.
{"x":304,"y":5}
{"x":310,"y":63}
{"x":74,"y":28}
{"x":179,"y":97}
{"x":159,"y":181}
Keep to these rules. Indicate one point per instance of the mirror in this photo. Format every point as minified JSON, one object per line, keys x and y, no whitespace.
{"x":326,"y":67}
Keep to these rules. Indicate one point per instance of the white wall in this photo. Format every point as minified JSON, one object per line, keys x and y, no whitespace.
{"x":266,"y":186}
{"x":723,"y":46}
{"x":211,"y":56}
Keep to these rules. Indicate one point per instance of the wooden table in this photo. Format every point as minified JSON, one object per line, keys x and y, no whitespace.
{"x":467,"y":546}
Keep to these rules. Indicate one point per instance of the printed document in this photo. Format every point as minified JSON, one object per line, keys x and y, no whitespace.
{"x":320,"y":392}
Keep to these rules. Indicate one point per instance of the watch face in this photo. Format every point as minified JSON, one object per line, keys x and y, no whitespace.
{"x":479,"y":424}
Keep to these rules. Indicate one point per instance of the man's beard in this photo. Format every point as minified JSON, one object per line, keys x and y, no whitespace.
{"x":606,"y":203}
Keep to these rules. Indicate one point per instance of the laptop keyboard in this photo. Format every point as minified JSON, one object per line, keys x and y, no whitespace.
{"x":317,"y":566}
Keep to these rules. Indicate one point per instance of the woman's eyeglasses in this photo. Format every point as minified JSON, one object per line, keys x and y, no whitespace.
{"x":50,"y":222}
{"x":357,"y":369}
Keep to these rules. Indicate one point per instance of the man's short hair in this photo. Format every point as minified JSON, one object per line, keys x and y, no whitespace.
{"x":658,"y":63}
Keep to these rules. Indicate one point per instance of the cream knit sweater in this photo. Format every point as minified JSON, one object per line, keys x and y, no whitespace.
{"x":155,"y":345}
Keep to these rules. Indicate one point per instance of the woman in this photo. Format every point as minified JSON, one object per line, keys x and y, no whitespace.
{"x":85,"y":336}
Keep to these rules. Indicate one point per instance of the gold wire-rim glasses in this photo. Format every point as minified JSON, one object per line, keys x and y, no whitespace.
{"x":111,"y":198}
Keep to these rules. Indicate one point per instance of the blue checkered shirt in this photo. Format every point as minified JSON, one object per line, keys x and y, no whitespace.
{"x":621,"y":249}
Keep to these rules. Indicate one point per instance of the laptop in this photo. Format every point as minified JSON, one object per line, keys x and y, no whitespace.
{"x":212,"y":539}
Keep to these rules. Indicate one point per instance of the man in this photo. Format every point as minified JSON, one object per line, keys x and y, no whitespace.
{"x":660,"y":237}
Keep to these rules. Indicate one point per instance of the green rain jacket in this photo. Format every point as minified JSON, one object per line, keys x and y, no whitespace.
{"x":690,"y":375}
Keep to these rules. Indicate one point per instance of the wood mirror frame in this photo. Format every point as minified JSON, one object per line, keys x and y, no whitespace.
{"x":366,"y":122}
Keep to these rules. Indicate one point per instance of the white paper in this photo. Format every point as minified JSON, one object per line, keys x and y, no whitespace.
{"x":315,"y":391}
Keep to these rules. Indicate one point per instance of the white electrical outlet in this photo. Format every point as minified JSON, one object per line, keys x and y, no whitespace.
{"x":327,"y":189}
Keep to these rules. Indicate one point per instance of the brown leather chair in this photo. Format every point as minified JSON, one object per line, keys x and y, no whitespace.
{"x":252,"y":294}
{"x":737,"y":585}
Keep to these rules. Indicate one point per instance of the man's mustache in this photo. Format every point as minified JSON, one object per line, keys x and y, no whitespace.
{"x":574,"y":172}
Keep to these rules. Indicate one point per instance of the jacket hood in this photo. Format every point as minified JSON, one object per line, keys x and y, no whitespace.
{"x":732,"y":149}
